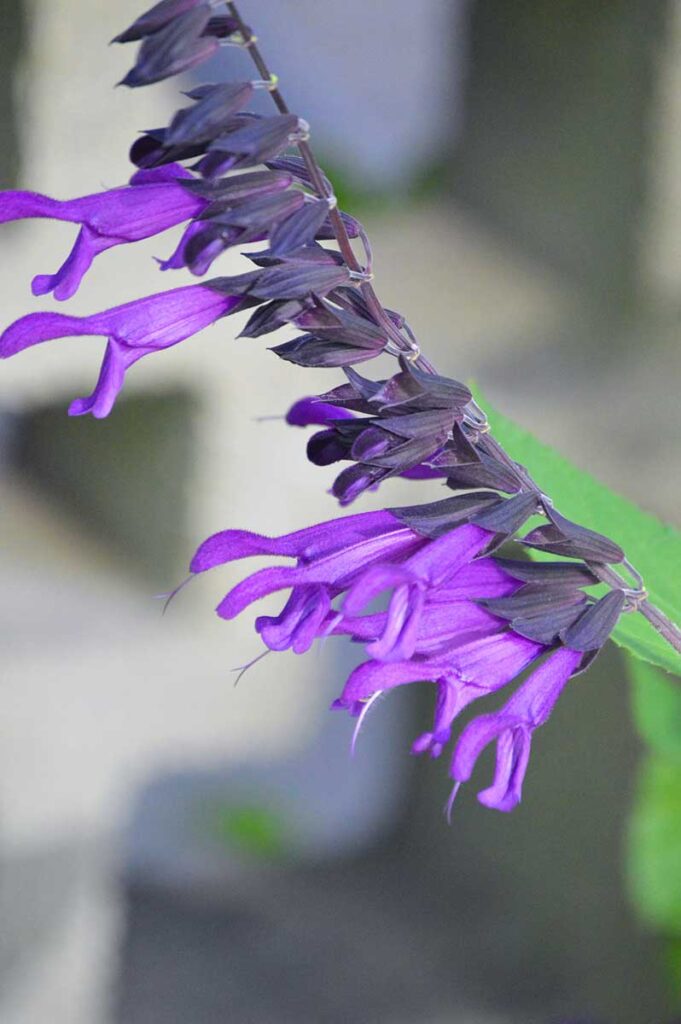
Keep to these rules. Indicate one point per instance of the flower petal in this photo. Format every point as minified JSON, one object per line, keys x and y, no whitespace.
{"x":482,"y":578}
{"x":512,"y":726}
{"x":335,"y":568}
{"x":111,"y":375}
{"x":158,"y":321}
{"x":307,"y":411}
{"x":513,"y":755}
{"x":374,"y":582}
{"x":371,"y":676}
{"x":66,"y":281}
{"x":17,"y":205}
{"x":300,"y":621}
{"x":399,"y":638}
{"x":442,"y":558}
{"x":310,"y":543}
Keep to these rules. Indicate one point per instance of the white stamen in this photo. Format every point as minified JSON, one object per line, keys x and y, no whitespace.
{"x":450,"y":802}
{"x":242,"y":669}
{"x":360,"y":721}
{"x":168,"y":597}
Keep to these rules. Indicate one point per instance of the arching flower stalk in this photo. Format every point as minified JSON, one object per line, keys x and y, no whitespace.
{"x":458,"y":615}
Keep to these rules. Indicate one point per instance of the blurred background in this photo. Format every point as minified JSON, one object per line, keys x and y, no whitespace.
{"x":175,"y":850}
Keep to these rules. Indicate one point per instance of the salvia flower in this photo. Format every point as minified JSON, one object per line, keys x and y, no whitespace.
{"x":203,"y":241}
{"x":456,"y":617}
{"x":453,"y":615}
{"x":411,"y":583}
{"x":411,"y":423}
{"x":466,"y":669}
{"x":223,"y":225}
{"x":329,"y":557}
{"x":153,"y":202}
{"x":133,"y":330}
{"x":511,"y":728}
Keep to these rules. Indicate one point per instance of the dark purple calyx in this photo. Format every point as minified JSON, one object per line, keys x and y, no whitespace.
{"x":239,"y":186}
{"x":213,"y":110}
{"x":299,"y":229}
{"x":594,"y":626}
{"x":150,"y":150}
{"x":549,"y":572}
{"x":438,"y":517}
{"x":562,"y":537}
{"x":251,"y":143}
{"x":157,"y":17}
{"x":177,"y":47}
{"x":485,"y":472}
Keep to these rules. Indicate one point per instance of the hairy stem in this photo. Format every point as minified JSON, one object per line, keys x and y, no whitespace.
{"x":475,"y":419}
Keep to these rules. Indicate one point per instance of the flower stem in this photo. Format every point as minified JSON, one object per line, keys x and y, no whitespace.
{"x":476,"y":419}
{"x":318,"y":180}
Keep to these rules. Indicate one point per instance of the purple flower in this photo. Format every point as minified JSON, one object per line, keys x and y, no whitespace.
{"x":329,"y":557}
{"x":411,"y":581}
{"x":152,"y":202}
{"x":450,"y":621}
{"x":324,"y":448}
{"x":133,"y":330}
{"x":511,"y":728}
{"x":468,"y":670}
{"x":307,"y":411}
{"x":448,"y":617}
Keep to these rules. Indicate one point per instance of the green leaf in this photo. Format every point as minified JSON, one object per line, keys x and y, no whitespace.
{"x":654,"y":853}
{"x":656,"y":699}
{"x":650,"y":545}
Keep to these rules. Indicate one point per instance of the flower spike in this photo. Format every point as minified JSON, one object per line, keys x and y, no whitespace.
{"x":455,"y":615}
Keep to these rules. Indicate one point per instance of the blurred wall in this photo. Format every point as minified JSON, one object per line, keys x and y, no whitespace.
{"x":560,"y":100}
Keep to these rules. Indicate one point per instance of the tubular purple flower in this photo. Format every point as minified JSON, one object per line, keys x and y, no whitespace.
{"x":512,"y":727}
{"x":324,"y":447}
{"x":328,"y":556}
{"x":134,"y":330}
{"x":485,"y":664}
{"x":153,"y":202}
{"x":178,"y":258}
{"x":308,"y":411}
{"x":433,"y":566}
{"x":440,"y":627}
{"x":470,"y":669}
{"x":300,"y":622}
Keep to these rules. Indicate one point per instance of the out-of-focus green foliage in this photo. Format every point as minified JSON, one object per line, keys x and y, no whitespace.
{"x":361,"y":199}
{"x":654,"y":855}
{"x":651,"y":545}
{"x":656,"y":701}
{"x":654,"y":850}
{"x":252,"y":830}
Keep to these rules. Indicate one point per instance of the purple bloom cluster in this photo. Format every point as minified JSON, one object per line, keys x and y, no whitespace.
{"x":458,"y":615}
